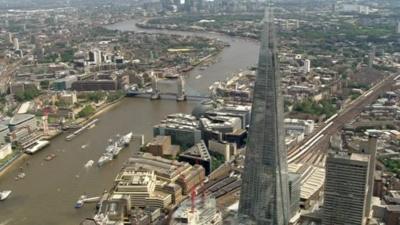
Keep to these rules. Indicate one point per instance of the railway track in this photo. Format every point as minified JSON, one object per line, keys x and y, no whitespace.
{"x":312,"y":151}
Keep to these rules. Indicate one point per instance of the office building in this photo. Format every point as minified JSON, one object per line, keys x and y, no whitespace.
{"x":294,"y":193}
{"x":228,"y":150}
{"x":170,"y":171}
{"x":264,"y":194}
{"x":197,"y":154}
{"x":95,"y":57}
{"x":398,"y":27}
{"x":392,"y":215}
{"x":64,"y":83}
{"x":94,"y":85}
{"x":161,"y":146}
{"x":16,"y":43}
{"x":184,"y":130}
{"x":369,"y":147}
{"x":5,"y":150}
{"x":299,"y":126}
{"x":20,"y":121}
{"x":68,"y":98}
{"x":10,"y":37}
{"x":223,"y":128}
{"x":307,"y":66}
{"x":3,"y":133}
{"x":140,"y":186}
{"x":203,"y":211}
{"x":346,"y":189}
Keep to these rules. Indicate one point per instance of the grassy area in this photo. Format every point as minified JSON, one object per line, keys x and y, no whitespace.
{"x":393,"y":165}
{"x":87,"y":111}
{"x":216,"y":160}
{"x":309,"y":106}
{"x":113,"y":96}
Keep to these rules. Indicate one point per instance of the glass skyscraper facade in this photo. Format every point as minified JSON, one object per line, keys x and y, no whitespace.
{"x":264,"y":195}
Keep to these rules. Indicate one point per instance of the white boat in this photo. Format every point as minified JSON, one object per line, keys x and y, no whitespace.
{"x":80,"y":202}
{"x":89,"y":164}
{"x":21,"y":175}
{"x":36,"y":146}
{"x":125,"y":140}
{"x":117,"y":150}
{"x":122,"y":143}
{"x":198,"y":76}
{"x":110,"y":148}
{"x":4,"y":195}
{"x":106,"y":157}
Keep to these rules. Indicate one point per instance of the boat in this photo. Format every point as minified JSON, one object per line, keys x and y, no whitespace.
{"x":110,"y":148}
{"x":20,"y":176}
{"x":122,"y":143}
{"x":4,"y":194}
{"x":36,"y":146}
{"x":114,"y":148}
{"x":133,"y":91}
{"x":125,"y":140}
{"x":106,"y":157}
{"x":116,"y":151}
{"x":50,"y":157}
{"x":89,"y":164}
{"x":85,"y":199}
{"x":80,"y":202}
{"x":198,"y":76}
{"x":80,"y":130}
{"x":186,"y":69}
{"x":172,"y":76}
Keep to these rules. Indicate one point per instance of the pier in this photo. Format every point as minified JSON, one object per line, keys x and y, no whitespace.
{"x":80,"y":130}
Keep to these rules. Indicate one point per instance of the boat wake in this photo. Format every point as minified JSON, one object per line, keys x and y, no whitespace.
{"x":6,"y":222}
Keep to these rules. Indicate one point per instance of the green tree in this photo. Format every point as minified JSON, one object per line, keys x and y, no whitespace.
{"x":67,"y":55}
{"x":113,"y":96}
{"x":95,"y":96}
{"x":86,"y":111}
{"x":27,"y":95}
{"x":44,"y":84}
{"x":324,"y":107}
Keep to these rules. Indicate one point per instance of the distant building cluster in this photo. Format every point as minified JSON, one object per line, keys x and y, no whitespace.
{"x":198,"y":6}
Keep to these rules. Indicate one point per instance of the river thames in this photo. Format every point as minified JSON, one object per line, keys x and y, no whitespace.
{"x":50,"y":189}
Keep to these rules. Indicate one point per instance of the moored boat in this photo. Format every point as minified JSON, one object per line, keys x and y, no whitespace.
{"x":5,"y":194}
{"x":36,"y":146}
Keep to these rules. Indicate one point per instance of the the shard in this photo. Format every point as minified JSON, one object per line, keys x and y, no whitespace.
{"x":264,"y":195}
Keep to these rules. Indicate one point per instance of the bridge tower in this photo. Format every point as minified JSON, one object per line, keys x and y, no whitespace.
{"x":154,"y":85}
{"x":181,"y":94}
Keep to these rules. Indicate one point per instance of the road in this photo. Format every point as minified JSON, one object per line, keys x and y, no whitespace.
{"x":8,"y":74}
{"x":312,"y":150}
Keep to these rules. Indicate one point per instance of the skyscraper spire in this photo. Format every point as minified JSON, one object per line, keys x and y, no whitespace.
{"x":265,"y":193}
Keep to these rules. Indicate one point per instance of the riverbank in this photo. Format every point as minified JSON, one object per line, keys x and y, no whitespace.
{"x":21,"y":156}
{"x":17,"y":159}
{"x":102,"y":109}
{"x":146,"y":25}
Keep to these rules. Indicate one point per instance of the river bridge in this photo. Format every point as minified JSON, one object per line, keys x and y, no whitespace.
{"x":173,"y":96}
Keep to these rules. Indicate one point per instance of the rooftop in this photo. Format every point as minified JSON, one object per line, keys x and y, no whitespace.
{"x":199,"y":150}
{"x":344,"y":154}
{"x":20,"y":118}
